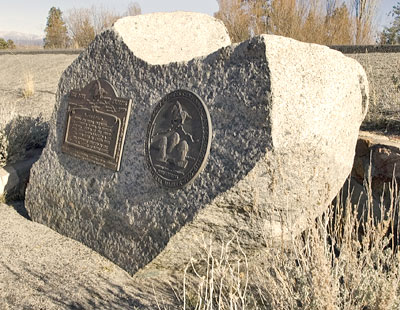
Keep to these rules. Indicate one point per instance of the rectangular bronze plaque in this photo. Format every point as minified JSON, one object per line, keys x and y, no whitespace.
{"x":96,"y":124}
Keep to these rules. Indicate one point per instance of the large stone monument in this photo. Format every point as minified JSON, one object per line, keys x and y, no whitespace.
{"x":164,"y":134}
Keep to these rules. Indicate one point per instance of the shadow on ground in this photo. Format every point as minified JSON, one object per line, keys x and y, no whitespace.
{"x":40,"y":269}
{"x":19,"y":206}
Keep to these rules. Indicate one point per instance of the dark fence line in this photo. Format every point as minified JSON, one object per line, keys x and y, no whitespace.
{"x":40,"y":51}
{"x":345,"y":49}
{"x":360,"y":49}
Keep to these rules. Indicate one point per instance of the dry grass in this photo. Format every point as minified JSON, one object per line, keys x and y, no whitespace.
{"x":26,"y":79}
{"x":3,"y":198}
{"x":19,"y":134}
{"x":315,"y":21}
{"x":344,"y":260}
{"x":22,"y":126}
{"x":28,"y":87}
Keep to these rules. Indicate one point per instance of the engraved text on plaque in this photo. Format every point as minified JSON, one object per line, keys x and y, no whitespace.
{"x":96,"y":124}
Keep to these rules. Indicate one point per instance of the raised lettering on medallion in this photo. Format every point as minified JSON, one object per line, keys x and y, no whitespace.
{"x":178,"y":139}
{"x":96,"y":124}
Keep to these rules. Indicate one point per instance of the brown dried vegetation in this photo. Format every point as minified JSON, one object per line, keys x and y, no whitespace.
{"x":314,"y":21}
{"x":344,"y":260}
{"x":84,"y":24}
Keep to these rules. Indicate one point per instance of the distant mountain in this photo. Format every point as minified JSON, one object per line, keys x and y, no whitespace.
{"x":22,"y":39}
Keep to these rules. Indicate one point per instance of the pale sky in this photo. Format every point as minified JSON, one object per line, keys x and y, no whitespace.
{"x":29,"y":16}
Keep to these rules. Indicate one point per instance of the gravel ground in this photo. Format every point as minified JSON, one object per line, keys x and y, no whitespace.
{"x":43,"y":270}
{"x":45,"y":71}
{"x":383,"y":71}
{"x":19,"y":116}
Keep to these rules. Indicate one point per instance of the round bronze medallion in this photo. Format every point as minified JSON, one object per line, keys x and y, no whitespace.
{"x":178,"y":139}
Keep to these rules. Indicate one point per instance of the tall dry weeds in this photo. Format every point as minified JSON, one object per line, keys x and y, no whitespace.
{"x":236,"y":19}
{"x":85,"y":23}
{"x":316,"y":21}
{"x":345,"y":260}
{"x":28,"y":86}
{"x":219,"y":281}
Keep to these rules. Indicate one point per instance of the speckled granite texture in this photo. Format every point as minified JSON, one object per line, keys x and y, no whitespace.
{"x":285,"y":118}
{"x":160,"y":38}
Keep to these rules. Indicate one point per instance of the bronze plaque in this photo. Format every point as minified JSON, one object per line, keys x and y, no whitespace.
{"x":96,"y":124}
{"x":178,"y":139}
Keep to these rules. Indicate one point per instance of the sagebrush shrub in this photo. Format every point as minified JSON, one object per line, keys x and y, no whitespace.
{"x":21,"y":135}
{"x":3,"y":148}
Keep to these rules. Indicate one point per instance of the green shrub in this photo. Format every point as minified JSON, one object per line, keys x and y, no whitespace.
{"x":9,"y":44}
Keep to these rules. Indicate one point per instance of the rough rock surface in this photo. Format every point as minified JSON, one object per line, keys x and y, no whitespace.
{"x":285,"y":118}
{"x":160,"y":38}
{"x":377,"y":162}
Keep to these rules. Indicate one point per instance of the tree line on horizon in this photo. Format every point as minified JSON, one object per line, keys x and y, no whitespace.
{"x":328,"y":22}
{"x":81,"y":25}
{"x":9,"y":44}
